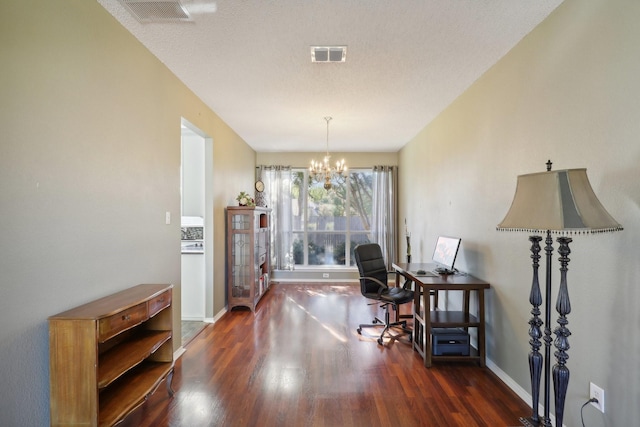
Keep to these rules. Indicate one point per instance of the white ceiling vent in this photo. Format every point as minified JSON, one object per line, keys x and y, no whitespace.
{"x":157,"y":11}
{"x":328,"y":53}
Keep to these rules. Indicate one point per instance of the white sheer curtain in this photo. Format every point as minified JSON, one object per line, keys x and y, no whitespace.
{"x":277,"y":189}
{"x":384,"y":224}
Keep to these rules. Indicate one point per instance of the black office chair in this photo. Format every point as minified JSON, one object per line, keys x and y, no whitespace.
{"x":373,"y":285}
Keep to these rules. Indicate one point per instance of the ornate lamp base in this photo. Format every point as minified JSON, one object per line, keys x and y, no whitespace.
{"x":528,"y":422}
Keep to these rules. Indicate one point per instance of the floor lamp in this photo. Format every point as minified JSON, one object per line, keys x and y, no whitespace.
{"x":561,"y":202}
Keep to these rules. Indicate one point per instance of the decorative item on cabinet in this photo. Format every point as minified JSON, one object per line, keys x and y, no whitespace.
{"x":260,"y":196}
{"x":244,"y":199}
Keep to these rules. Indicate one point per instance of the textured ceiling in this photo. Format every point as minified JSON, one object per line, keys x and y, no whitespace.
{"x":407,"y":60}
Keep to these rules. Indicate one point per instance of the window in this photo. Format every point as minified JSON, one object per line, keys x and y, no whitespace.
{"x":328,"y":224}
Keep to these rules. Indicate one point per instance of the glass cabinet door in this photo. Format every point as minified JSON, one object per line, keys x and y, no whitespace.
{"x":241,"y":221}
{"x":241,"y":266}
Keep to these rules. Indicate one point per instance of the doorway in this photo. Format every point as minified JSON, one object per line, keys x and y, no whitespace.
{"x":196,"y":173}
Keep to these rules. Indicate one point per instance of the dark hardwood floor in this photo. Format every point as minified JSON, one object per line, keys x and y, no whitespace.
{"x":299,"y":362}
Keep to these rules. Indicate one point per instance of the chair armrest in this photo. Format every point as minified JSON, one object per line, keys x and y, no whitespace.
{"x":381,"y":286}
{"x":407,"y":284}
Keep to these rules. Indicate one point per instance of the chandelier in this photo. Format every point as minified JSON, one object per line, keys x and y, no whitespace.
{"x":323,"y":171}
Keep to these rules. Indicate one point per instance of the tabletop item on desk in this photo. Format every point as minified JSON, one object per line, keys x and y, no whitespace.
{"x":425,"y":273}
{"x":445,"y":271}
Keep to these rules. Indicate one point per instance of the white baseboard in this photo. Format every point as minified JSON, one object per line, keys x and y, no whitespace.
{"x":193,"y":319}
{"x":207,"y":319}
{"x":218,"y":315}
{"x":179,"y":352}
{"x":522,"y":393}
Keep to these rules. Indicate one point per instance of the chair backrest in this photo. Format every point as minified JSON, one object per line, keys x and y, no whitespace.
{"x":370,"y":264}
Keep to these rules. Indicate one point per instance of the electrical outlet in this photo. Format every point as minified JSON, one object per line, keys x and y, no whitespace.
{"x":325,"y":275}
{"x":596,"y":392}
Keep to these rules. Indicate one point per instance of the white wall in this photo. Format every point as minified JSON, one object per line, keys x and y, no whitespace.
{"x":568,"y":92}
{"x":89,"y":164}
{"x":193,"y":172}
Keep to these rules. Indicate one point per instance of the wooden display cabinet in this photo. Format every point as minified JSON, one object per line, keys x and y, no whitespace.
{"x":106,"y":357}
{"x":248,"y":255}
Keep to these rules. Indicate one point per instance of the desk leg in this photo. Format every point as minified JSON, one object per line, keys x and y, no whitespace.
{"x":426,"y":334}
{"x":466,"y":298}
{"x":481,"y":329}
{"x":417,"y":330}
{"x":466,"y":295}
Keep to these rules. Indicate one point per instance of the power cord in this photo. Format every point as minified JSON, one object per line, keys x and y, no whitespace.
{"x":593,"y":399}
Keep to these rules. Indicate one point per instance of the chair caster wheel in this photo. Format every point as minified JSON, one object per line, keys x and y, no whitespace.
{"x":380,"y":341}
{"x":359,"y":331}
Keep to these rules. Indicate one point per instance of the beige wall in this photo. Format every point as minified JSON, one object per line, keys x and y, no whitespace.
{"x":568,"y":92}
{"x":234,"y":163}
{"x":89,"y":164}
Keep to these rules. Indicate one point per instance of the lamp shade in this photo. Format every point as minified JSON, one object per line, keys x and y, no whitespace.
{"x":560,"y":200}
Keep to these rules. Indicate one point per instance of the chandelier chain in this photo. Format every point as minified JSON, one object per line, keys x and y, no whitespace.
{"x":328,"y":119}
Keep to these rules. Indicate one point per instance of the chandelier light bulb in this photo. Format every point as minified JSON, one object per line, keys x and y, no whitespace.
{"x":324,"y":171}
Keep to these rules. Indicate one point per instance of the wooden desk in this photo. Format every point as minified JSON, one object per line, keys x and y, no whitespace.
{"x":422,"y":323}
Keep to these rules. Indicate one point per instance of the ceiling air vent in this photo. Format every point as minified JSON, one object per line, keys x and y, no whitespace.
{"x":328,"y":53}
{"x":157,"y":11}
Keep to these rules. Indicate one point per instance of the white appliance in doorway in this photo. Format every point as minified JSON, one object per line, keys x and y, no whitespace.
{"x":193,"y":268}
{"x":193,"y":225}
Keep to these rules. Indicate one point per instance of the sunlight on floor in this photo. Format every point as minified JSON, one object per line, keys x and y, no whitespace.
{"x":328,"y":328}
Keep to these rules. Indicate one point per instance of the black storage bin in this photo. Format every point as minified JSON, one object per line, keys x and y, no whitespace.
{"x":450,"y":342}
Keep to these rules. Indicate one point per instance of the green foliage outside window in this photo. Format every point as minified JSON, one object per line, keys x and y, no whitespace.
{"x":316,"y":253}
{"x":345,"y":209}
